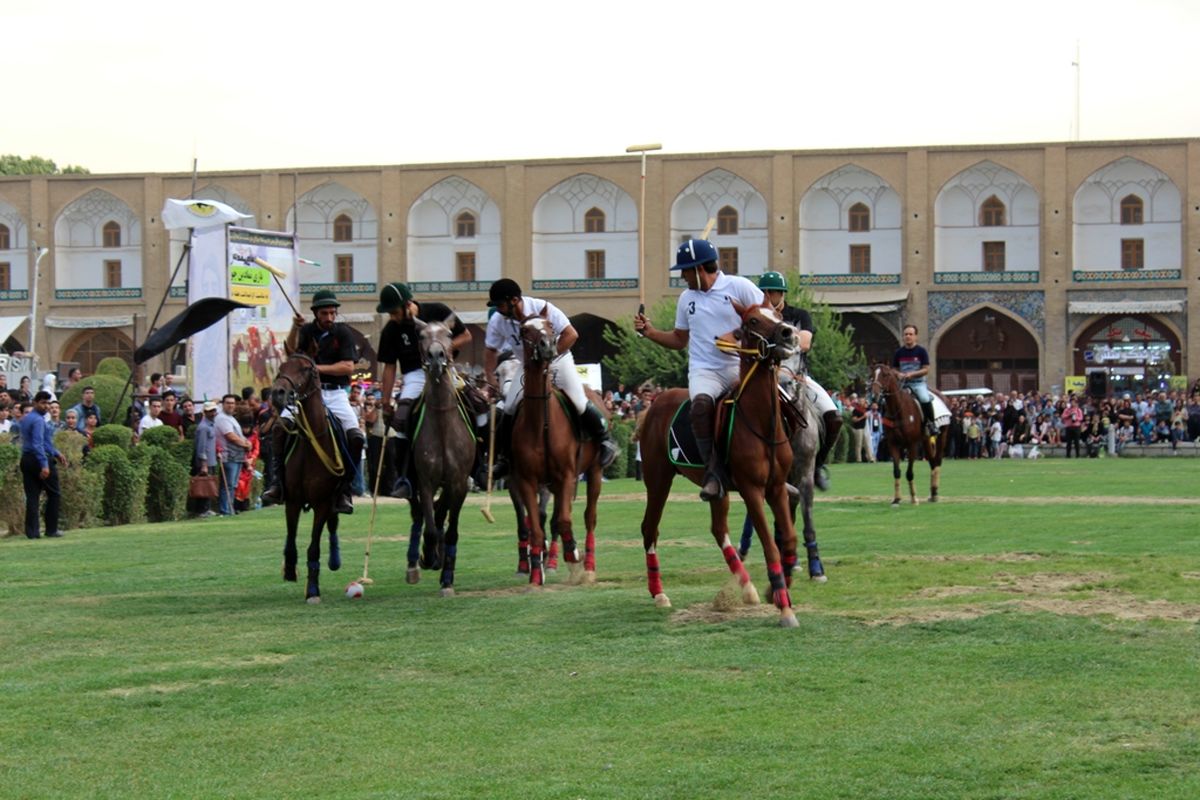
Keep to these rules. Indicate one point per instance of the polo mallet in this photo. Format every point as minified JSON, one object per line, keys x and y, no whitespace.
{"x":487,"y":504}
{"x":712,"y":221}
{"x":275,"y":271}
{"x":374,"y":505}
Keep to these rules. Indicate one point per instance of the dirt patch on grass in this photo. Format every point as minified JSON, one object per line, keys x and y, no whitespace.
{"x":1118,"y":605}
{"x":525,"y":588}
{"x":125,"y":692}
{"x":1043,"y":583}
{"x":707,"y":613}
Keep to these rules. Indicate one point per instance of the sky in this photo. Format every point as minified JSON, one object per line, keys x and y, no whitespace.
{"x":137,"y":86}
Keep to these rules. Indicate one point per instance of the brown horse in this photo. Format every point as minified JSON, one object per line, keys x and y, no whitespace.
{"x":904,"y":430}
{"x":313,"y":468}
{"x":545,"y":450}
{"x":759,"y":457}
{"x":443,"y":452}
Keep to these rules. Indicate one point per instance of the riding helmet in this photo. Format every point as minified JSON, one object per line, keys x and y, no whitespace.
{"x":693,"y":253}
{"x":772,"y":281}
{"x":323,"y":298}
{"x":393,"y":296}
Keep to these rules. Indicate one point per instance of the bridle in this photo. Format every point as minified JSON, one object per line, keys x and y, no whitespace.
{"x":295,"y":396}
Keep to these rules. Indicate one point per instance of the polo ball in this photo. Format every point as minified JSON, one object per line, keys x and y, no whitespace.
{"x":354,"y":591}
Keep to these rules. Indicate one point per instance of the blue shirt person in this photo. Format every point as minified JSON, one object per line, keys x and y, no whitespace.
{"x":38,"y":470}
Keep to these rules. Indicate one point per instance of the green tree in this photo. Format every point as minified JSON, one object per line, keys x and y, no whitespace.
{"x":638,"y":359}
{"x":834,"y":360}
{"x":36,"y":165}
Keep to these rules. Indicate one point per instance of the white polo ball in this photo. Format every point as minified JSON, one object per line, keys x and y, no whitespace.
{"x":354,"y":591}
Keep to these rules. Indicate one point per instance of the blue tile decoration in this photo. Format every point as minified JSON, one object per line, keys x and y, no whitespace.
{"x":1030,"y":306}
{"x":338,"y":288}
{"x":1008,"y":276}
{"x":586,"y":284}
{"x":448,"y":287}
{"x":97,"y":294}
{"x":14,"y":294}
{"x":1125,"y":275}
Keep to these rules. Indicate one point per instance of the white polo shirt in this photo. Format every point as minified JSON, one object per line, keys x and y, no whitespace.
{"x":504,"y":334}
{"x":707,"y":315}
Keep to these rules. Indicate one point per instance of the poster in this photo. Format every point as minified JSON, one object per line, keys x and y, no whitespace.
{"x":257,"y":334}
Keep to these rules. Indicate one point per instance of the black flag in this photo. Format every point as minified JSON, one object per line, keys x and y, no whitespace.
{"x":196,"y":317}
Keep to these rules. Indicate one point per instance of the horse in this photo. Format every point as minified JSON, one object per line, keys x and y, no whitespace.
{"x":805,"y":442}
{"x":545,"y":450}
{"x":904,"y":429}
{"x":759,"y":457}
{"x":313,"y":471}
{"x":443,"y":452}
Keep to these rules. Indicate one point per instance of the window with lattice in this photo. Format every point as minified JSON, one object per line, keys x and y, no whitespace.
{"x":991,"y":213}
{"x":860,"y":218}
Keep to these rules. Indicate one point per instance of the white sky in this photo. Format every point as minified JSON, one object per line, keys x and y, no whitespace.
{"x":137,"y":86}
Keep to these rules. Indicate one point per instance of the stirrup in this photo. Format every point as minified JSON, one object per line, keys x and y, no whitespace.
{"x":821,"y":478}
{"x":344,"y":504}
{"x":706,"y":495}
{"x":608,"y":452}
{"x":402,"y":489}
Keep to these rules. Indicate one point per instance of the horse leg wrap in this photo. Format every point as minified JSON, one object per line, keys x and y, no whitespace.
{"x":789,"y":566}
{"x":552,"y":555}
{"x":747,"y":537}
{"x":779,"y":590}
{"x":815,"y":568}
{"x":589,"y":552}
{"x":653,"y":575}
{"x":735,"y":564}
{"x":535,"y":566}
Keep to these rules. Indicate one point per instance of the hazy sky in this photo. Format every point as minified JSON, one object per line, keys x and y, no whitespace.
{"x":144,"y":86}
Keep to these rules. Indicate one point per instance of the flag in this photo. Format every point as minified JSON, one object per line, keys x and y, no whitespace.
{"x":199,"y":214}
{"x":193,"y":319}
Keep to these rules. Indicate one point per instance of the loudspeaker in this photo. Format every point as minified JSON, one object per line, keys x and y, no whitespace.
{"x":1098,"y":384}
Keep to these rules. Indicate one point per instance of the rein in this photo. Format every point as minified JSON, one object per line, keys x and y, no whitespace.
{"x":331,"y":463}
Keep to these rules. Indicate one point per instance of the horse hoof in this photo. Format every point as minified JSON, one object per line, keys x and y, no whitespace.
{"x":788,"y":619}
{"x":933,"y":499}
{"x":818,"y":578}
{"x":916,"y":502}
{"x":895,"y":504}
{"x":575,"y":572}
{"x":662,"y":601}
{"x":588,"y":577}
{"x":447,"y":591}
{"x":750,"y":595}
{"x":413,"y":575}
{"x":289,"y":574}
{"x":314,"y":600}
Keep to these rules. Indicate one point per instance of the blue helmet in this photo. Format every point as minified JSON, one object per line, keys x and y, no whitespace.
{"x":693,"y":253}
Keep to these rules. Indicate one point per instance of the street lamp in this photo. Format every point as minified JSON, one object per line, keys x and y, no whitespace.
{"x":643,"y":149}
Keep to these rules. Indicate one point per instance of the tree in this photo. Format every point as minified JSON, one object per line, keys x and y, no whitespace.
{"x":36,"y":165}
{"x":639,"y":359}
{"x":834,"y":360}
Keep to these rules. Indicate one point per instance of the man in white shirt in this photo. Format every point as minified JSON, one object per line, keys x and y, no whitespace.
{"x":150,"y":420}
{"x":704,"y":314}
{"x":504,"y":334}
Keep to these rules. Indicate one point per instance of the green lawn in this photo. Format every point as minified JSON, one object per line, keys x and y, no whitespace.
{"x":1033,"y":635}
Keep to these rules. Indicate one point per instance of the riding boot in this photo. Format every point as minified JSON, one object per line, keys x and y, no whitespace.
{"x":403,"y":488}
{"x":479,"y":468}
{"x":354,"y":444}
{"x":279,"y":442}
{"x":930,"y":422}
{"x":833,"y":425}
{"x":503,"y":446}
{"x":596,"y":428}
{"x":703,"y":412}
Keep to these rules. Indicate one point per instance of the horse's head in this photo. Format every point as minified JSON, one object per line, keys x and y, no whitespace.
{"x":296,"y":380}
{"x":435,"y":345}
{"x":538,"y":340}
{"x":883,"y":382}
{"x":764,"y":330}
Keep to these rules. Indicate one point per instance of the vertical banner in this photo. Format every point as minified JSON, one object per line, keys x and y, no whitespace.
{"x":256,"y":335}
{"x":208,"y":377}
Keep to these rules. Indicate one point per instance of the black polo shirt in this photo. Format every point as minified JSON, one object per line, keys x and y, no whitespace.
{"x":333,"y":346}
{"x":399,"y":340}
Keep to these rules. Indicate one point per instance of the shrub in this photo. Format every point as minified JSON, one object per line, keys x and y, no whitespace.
{"x":166,"y":494}
{"x":12,"y":488}
{"x":120,"y":501}
{"x":113,"y":366}
{"x":82,"y":489}
{"x":622,"y":433}
{"x":139,"y":459}
{"x":117,"y":435}
{"x":108,"y":390}
{"x":162,"y":436}
{"x":184,"y":453}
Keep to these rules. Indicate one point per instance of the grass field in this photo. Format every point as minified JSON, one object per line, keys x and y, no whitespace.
{"x":1034,"y":635}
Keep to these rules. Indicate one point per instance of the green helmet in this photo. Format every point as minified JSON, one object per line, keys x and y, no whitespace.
{"x":772,"y":281}
{"x":323,"y":298}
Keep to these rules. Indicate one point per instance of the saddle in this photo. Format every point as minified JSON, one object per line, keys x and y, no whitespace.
{"x":567,"y":406}
{"x":465,"y":410}
{"x":682,"y":450}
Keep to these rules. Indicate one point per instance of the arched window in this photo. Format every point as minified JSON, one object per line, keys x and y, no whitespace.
{"x":991,"y":213}
{"x":112,"y":234}
{"x":593,"y":221}
{"x":5,"y":240}
{"x":727,"y":221}
{"x":1131,"y":210}
{"x":343,"y":228}
{"x":90,"y":347}
{"x":464,"y":225}
{"x":860,"y":218}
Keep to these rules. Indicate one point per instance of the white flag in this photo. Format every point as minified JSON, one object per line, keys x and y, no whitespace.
{"x":199,"y":214}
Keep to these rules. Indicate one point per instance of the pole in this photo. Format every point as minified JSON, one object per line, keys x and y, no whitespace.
{"x":642,"y":149}
{"x":41,"y":253}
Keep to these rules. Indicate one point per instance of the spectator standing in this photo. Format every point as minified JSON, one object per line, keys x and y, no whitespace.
{"x":150,"y":420}
{"x":232,"y":451}
{"x":1072,"y":420}
{"x":38,"y":468}
{"x":170,"y":415}
{"x":860,"y":448}
{"x":205,"y":461}
{"x":86,"y":407}
{"x":875,"y":429}
{"x":1193,"y":418}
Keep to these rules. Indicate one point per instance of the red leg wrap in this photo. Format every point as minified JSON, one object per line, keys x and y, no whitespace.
{"x":653,"y":576}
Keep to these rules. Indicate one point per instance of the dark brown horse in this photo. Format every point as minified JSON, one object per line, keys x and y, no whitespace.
{"x":313,"y":470}
{"x":443,"y":452}
{"x":546,"y":450}
{"x":904,"y":431}
{"x":759,"y":458}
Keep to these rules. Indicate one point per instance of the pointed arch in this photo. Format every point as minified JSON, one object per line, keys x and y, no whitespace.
{"x":987,"y":345}
{"x":454,"y":235}
{"x":585,"y":227}
{"x":849,"y":222}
